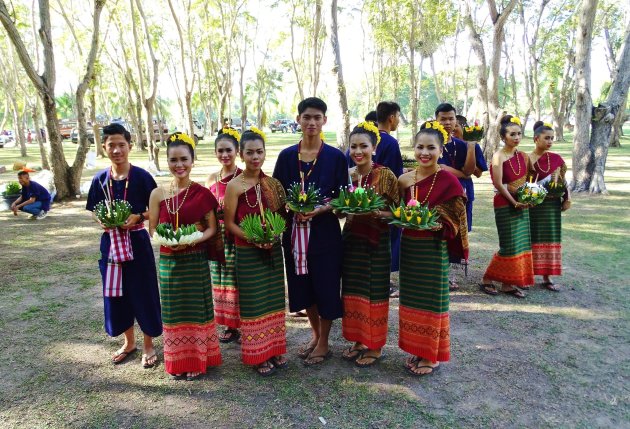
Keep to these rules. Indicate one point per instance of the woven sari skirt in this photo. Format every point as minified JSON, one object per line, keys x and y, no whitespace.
{"x":546,"y":229}
{"x":260,"y":279}
{"x":365,"y":289}
{"x":190,"y":339}
{"x":224,"y":291}
{"x":424,"y":298}
{"x":512,"y":264}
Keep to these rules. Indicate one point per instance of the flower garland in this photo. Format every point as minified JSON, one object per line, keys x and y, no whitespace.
{"x":516,"y":120}
{"x":370,"y":127}
{"x":182,"y":137}
{"x":232,"y":132}
{"x":259,"y":132}
{"x":435,"y":125}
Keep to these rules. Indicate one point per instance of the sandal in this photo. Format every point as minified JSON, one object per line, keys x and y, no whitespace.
{"x":322,"y":358}
{"x":279,"y":362}
{"x":265,"y":369}
{"x":434,"y":369}
{"x":374,"y":360}
{"x":193,"y":377}
{"x":452,"y":286}
{"x":229,"y":335}
{"x":488,"y":288}
{"x":516,"y":292}
{"x":305,"y":351}
{"x":147,"y":357}
{"x":124,"y":354}
{"x":551,"y":286}
{"x":352,"y":353}
{"x":411,"y":361}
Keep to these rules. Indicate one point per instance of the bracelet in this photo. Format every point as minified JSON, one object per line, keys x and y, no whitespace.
{"x":142,"y":218}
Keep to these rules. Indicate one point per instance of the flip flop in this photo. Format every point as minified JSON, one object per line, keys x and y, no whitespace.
{"x":265,"y":365}
{"x":375,"y":360}
{"x":411,"y":362}
{"x":352,"y":354}
{"x":146,"y":357}
{"x":452,"y":286}
{"x":300,"y":313}
{"x":323,"y":358}
{"x":124,"y":354}
{"x":550,"y":286}
{"x":234,"y":335}
{"x":306,"y":351}
{"x":484,"y":288}
{"x":434,"y":369}
{"x":181,"y":376}
{"x":515,"y":292}
{"x":193,"y":377}
{"x":275,"y":360}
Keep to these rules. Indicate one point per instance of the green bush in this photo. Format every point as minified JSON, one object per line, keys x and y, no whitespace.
{"x":13,"y":188}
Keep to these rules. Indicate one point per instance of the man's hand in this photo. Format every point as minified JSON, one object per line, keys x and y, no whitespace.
{"x":131,"y":221}
{"x":303,"y":217}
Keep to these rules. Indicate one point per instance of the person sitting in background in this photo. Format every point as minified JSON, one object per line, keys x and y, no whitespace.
{"x":34,"y":199}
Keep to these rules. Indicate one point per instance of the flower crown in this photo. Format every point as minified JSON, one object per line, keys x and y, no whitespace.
{"x":548,"y":125}
{"x":232,"y":132}
{"x":515,"y":120}
{"x":435,"y":125}
{"x":182,"y":137}
{"x":370,"y":127}
{"x":259,"y":132}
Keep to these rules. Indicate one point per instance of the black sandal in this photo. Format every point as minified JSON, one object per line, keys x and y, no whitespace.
{"x":488,"y":288}
{"x":229,"y":335}
{"x":266,"y":365}
{"x":516,"y":292}
{"x":275,"y":360}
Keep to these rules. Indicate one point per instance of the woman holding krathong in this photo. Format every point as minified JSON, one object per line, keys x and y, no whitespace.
{"x":224,"y":290}
{"x":424,"y":294}
{"x":259,"y":268}
{"x":512,"y":264}
{"x":545,"y":222}
{"x":190,"y":339}
{"x":367,"y":253}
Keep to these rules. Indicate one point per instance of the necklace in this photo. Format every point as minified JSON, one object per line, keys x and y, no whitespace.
{"x":221,"y":198}
{"x":220,"y":176}
{"x":302,"y":178}
{"x":256,"y":189}
{"x":415,"y":188}
{"x":518,"y":162}
{"x":548,"y":164}
{"x":454,"y":156}
{"x":173,"y":210}
{"x":111,"y":185}
{"x":367,"y":177}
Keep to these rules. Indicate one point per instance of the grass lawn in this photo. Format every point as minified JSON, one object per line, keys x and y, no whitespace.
{"x":551,"y":360}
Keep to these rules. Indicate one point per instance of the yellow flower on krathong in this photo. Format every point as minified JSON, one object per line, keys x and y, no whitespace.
{"x":408,"y":216}
{"x":515,"y":120}
{"x":478,"y":127}
{"x":397,"y":213}
{"x":419,"y":219}
{"x":468,"y":129}
{"x":347,"y":201}
{"x":302,"y":197}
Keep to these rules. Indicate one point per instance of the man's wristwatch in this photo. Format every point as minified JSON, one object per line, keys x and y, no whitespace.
{"x":142,"y":218}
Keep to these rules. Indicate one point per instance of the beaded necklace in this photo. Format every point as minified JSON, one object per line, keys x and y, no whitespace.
{"x":548,"y":164}
{"x":518,"y":162}
{"x":415,"y":188}
{"x":173,"y":210}
{"x":367,"y":177}
{"x":221,"y":198}
{"x":111,"y":184}
{"x":302,"y":178}
{"x":256,"y":189}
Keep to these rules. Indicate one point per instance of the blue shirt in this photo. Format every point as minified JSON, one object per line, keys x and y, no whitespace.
{"x":330,"y":173}
{"x":454,"y":156}
{"x":40,"y":193}
{"x":141,"y":183}
{"x":387,"y":154}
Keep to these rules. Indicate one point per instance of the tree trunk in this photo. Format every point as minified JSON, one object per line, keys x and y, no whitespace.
{"x":316,"y":46}
{"x":583,"y":160}
{"x":19,"y":128}
{"x":620,"y":119}
{"x":95,"y":127}
{"x":342,"y":137}
{"x":298,"y":79}
{"x":436,"y":82}
{"x":38,"y":136}
{"x":412,"y":75}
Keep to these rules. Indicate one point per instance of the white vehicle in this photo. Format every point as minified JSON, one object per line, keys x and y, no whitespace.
{"x":198,"y":130}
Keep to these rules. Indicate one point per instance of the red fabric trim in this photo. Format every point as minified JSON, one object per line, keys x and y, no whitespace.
{"x":425,"y":334}
{"x":365,"y":321}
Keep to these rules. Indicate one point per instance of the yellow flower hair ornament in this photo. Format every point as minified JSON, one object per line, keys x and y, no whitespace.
{"x":321,"y":135}
{"x":547,"y":124}
{"x":435,"y":125}
{"x":259,"y":132}
{"x":232,"y":132}
{"x":516,"y":121}
{"x":182,"y":137}
{"x":368,"y":126}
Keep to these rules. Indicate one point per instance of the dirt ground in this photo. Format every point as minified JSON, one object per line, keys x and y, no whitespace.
{"x":552,"y":360}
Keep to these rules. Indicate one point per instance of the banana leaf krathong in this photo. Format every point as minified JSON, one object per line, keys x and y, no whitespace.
{"x":303,"y":200}
{"x":358,"y":200}
{"x":112,"y":214}
{"x":258,"y":232}
{"x":414,"y":215}
{"x":531,"y":193}
{"x":165,"y":235}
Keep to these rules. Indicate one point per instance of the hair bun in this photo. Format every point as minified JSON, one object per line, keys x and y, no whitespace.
{"x":506,"y":119}
{"x":538,"y":124}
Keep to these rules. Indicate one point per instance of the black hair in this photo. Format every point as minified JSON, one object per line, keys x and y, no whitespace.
{"x":461,"y":119}
{"x":430,"y":131}
{"x":540,"y":127}
{"x":115,"y":129}
{"x":444,"y":108}
{"x":312,"y":102}
{"x":385,"y":109}
{"x":22,"y":173}
{"x":225,"y":136}
{"x":371,"y":116}
{"x":249,"y":136}
{"x":361,"y":130}
{"x":505,"y":122}
{"x":175,"y":140}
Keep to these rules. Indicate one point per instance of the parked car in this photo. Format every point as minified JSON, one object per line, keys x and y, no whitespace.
{"x":65,"y":127}
{"x":5,"y":138}
{"x":283,"y":125}
{"x":237,"y":125}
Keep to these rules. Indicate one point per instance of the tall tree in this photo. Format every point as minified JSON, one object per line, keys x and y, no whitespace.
{"x":342,"y":137}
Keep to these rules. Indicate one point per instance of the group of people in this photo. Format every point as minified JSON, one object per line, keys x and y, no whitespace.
{"x":330,"y":273}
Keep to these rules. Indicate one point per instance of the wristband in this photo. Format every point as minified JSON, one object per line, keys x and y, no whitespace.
{"x":142,"y":218}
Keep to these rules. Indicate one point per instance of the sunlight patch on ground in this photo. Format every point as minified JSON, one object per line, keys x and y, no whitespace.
{"x":384,"y":388}
{"x":572,"y":312}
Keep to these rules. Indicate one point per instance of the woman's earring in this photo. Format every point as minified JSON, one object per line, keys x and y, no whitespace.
{"x":374,"y":153}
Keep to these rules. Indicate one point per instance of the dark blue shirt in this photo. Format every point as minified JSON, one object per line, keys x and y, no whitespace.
{"x":141,"y":184}
{"x":454,"y":156}
{"x":330,"y":173}
{"x":387,"y":154}
{"x":40,"y":193}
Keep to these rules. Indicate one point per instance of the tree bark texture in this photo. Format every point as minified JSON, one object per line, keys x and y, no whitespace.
{"x":342,"y":137}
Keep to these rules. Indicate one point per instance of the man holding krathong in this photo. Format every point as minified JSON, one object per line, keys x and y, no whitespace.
{"x":312,"y":243}
{"x":130,"y":288}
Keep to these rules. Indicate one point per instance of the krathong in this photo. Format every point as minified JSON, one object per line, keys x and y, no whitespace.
{"x":165,"y":235}
{"x":357,"y":200}
{"x":531,"y":193}
{"x":474,"y":133}
{"x":268,"y":232}
{"x":112,"y":214}
{"x":414,"y":215}
{"x":302,"y":200}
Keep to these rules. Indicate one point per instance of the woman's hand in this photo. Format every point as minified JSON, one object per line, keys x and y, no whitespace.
{"x":566,"y":205}
{"x":437,"y":227}
{"x":264,"y":246}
